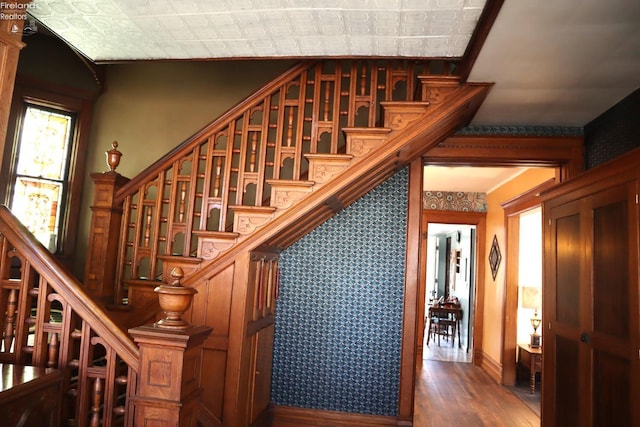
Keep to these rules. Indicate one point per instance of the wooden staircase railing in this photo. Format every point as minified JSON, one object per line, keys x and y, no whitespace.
{"x":250,"y":184}
{"x":49,"y":321}
{"x":232,"y":177}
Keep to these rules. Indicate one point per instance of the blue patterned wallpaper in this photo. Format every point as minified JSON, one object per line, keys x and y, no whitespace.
{"x":521,"y":130}
{"x":339,"y":314}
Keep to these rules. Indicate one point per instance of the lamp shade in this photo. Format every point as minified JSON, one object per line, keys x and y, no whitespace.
{"x":531,"y":297}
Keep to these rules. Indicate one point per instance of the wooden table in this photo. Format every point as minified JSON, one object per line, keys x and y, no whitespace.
{"x":530,"y":358}
{"x":29,"y":396}
{"x":453,"y":314}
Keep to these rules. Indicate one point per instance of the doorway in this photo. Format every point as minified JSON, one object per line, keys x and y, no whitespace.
{"x":450,"y":281}
{"x":446,"y":225}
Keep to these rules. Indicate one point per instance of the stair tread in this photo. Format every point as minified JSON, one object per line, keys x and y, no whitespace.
{"x":254,"y":209}
{"x":329,"y":156}
{"x":384,"y":130}
{"x":225,"y":235}
{"x":290,"y":182}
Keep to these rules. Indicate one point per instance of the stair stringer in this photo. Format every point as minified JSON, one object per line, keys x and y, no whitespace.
{"x":224,"y":284}
{"x":402,"y":146}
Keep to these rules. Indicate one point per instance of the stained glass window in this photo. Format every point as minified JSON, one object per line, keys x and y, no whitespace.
{"x":41,"y":171}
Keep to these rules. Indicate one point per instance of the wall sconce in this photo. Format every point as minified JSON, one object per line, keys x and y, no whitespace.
{"x":532,"y":299}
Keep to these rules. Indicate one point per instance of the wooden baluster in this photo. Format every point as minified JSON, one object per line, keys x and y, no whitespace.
{"x":260,"y":284}
{"x":216,"y":184}
{"x":147,"y":226}
{"x":254,"y":146}
{"x":327,"y":95}
{"x":363,"y":79}
{"x":269,"y":290}
{"x":52,"y":357}
{"x":121,"y":410}
{"x":183,"y":196}
{"x":290,"y":127}
{"x":96,"y":400}
{"x":9,"y":327}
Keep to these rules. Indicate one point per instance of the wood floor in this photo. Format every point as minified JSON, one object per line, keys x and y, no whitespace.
{"x":460,"y":394}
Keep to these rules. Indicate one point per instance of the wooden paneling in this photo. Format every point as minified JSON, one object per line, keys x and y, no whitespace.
{"x":591,"y":303}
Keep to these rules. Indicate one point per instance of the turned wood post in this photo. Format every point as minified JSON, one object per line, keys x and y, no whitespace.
{"x":104,"y":237}
{"x":168,"y":384}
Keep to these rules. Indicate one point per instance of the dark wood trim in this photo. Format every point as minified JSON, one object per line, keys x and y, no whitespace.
{"x":566,"y":152}
{"x":563,"y":153}
{"x":512,"y":210}
{"x":616,"y":170}
{"x":83,"y":109}
{"x":410,"y":323}
{"x":256,"y":325}
{"x":286,"y":416}
{"x":485,"y":23}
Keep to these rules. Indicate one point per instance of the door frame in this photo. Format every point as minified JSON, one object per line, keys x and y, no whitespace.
{"x":512,"y":210}
{"x":479,"y":220}
{"x":562,"y":152}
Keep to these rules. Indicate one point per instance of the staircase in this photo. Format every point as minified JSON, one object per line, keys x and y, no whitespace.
{"x":279,"y":163}
{"x":222,"y":206}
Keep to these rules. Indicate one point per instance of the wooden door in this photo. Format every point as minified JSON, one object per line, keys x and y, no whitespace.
{"x":590,"y":337}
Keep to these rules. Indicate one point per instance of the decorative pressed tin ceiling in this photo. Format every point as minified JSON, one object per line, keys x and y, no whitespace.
{"x":111,"y":30}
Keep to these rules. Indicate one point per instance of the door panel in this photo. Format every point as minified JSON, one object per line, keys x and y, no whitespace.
{"x":591,"y":309}
{"x":610,"y":272}
{"x":611,"y":390}
{"x":567,"y":380}
{"x":568,"y":266}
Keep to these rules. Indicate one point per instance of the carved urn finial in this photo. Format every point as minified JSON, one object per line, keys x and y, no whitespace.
{"x":113,"y":156}
{"x":174,"y":300}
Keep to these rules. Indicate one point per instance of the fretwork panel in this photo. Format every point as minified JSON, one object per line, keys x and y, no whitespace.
{"x":264,"y":138}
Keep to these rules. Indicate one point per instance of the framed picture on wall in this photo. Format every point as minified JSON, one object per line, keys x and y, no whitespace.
{"x":494,"y":257}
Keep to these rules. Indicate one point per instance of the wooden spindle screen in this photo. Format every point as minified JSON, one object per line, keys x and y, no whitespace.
{"x":194,"y":192}
{"x":266,"y":283}
{"x":41,"y":328}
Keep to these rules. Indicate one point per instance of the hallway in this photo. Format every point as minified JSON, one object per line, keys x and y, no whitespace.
{"x":461,"y":394}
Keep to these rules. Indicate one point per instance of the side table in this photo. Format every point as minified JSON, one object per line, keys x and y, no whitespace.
{"x":531,"y":358}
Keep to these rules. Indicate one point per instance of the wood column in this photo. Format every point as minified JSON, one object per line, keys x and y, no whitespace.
{"x":10,"y":46}
{"x":102,"y":255}
{"x":168,"y":376}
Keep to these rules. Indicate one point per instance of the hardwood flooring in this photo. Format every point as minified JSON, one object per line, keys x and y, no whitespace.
{"x":460,"y":394}
{"x":445,"y":353}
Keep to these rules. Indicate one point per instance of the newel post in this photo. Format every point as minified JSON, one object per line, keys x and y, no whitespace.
{"x":104,"y":234}
{"x":168,"y":385}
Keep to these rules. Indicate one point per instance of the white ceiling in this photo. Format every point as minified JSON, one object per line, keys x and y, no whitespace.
{"x":468,"y":179}
{"x":104,"y":30}
{"x":554,"y":63}
{"x":560,"y":62}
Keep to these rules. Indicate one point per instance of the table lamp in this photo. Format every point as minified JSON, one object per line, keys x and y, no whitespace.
{"x":532,"y":298}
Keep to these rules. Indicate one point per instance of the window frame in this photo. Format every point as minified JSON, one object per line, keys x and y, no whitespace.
{"x":80,"y":106}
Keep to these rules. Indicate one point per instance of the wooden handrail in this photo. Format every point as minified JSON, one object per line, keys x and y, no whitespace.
{"x":68,"y":287}
{"x":188,"y":145}
{"x":213,"y":188}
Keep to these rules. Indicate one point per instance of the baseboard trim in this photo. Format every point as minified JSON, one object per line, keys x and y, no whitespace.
{"x":287,"y":416}
{"x":491,"y":367}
